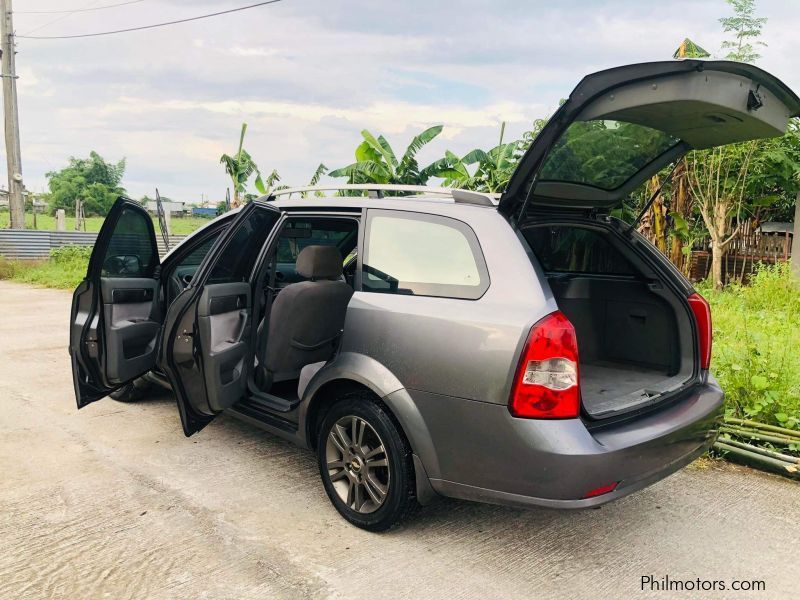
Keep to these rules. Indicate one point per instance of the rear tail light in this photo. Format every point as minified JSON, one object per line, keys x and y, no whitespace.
{"x":702,"y":316}
{"x":546,"y":384}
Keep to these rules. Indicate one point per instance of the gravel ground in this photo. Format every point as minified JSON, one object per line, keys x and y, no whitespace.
{"x":115,"y":502}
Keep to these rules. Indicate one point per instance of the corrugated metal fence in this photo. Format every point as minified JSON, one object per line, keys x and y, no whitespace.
{"x":29,"y":244}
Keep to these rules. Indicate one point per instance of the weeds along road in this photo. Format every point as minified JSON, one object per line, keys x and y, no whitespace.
{"x":114,"y":501}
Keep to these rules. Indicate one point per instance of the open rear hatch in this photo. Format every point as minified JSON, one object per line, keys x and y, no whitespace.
{"x":635,"y":329}
{"x":621,"y":126}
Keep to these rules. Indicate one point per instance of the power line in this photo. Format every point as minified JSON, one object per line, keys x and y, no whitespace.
{"x":77,"y":10}
{"x":61,"y":17}
{"x":83,"y":35}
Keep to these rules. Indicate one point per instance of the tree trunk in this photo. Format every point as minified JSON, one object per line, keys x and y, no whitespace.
{"x":658,"y":230}
{"x":682,"y":206}
{"x":236,"y":201}
{"x":717,"y":256}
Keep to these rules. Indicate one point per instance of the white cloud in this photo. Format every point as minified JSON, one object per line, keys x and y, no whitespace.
{"x":308,"y":75}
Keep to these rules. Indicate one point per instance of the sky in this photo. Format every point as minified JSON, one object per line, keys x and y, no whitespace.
{"x":308,"y":75}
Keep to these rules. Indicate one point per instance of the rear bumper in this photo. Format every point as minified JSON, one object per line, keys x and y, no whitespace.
{"x":485,"y":454}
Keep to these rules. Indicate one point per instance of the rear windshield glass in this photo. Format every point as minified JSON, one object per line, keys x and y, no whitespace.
{"x":564,"y":249}
{"x":604,"y":154}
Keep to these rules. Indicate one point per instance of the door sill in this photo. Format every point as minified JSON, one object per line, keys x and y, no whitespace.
{"x":262,"y":410}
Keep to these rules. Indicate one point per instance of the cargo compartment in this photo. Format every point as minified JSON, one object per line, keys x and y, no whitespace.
{"x":634,"y":332}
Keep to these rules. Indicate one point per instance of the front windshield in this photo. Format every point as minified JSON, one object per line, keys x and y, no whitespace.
{"x":604,"y":153}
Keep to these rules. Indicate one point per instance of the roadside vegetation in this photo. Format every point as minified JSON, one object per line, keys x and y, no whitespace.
{"x":65,"y":268}
{"x":756,"y":332}
{"x":179,"y":225}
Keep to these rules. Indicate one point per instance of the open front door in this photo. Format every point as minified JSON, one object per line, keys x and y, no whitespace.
{"x":116,"y":315}
{"x":207,"y":348}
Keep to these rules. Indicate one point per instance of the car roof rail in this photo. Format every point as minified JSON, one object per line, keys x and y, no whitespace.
{"x":377,"y":190}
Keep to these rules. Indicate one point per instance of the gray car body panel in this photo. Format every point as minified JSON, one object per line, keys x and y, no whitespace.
{"x":444,"y":367}
{"x":486,"y":454}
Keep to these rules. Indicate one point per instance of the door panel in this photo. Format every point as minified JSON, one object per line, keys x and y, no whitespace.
{"x":115,"y":317}
{"x":207,"y":350}
{"x":223,"y":318}
{"x":131,"y":326}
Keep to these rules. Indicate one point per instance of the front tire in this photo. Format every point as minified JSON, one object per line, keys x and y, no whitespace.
{"x":366,"y":464}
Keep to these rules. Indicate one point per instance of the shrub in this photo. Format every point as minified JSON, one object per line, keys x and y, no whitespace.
{"x":756,"y":334}
{"x":65,"y":268}
{"x":69,"y":254}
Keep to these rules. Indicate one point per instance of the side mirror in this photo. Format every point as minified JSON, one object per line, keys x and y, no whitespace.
{"x":124,"y":265}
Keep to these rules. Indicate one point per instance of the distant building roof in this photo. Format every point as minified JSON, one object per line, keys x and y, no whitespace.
{"x":170,"y":205}
{"x":777,"y":227}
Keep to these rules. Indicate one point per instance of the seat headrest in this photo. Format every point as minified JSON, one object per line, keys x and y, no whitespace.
{"x":319,"y":262}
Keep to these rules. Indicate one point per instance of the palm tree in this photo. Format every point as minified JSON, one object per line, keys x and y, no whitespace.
{"x":241,"y":167}
{"x":376,"y":161}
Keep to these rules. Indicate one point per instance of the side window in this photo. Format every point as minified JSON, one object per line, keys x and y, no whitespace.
{"x":131,"y":250}
{"x":566,"y":249}
{"x":424,"y":255}
{"x":315,"y":231}
{"x":238,"y":258}
{"x":196,"y":256}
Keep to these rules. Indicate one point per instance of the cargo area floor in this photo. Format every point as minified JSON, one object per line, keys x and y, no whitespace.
{"x":604,"y":386}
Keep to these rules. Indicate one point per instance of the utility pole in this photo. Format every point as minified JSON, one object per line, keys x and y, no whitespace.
{"x":16,"y":201}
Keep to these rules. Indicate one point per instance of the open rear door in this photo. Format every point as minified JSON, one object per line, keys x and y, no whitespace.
{"x":207,"y":348}
{"x":116,"y":315}
{"x":621,"y":126}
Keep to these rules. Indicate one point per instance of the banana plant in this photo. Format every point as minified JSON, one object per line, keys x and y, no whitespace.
{"x":494,"y":167}
{"x":321,"y":170}
{"x":241,"y":167}
{"x":376,"y":161}
{"x":454,"y":170}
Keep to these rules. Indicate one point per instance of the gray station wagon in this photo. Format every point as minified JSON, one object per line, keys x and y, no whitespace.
{"x":531,"y":351}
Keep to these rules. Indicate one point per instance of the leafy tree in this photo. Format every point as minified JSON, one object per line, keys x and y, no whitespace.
{"x":746,"y":29}
{"x":376,"y":161}
{"x":718,"y":179}
{"x":240,"y":167}
{"x":92,"y":180}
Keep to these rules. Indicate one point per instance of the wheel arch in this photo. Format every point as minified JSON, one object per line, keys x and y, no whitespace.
{"x":351,"y":371}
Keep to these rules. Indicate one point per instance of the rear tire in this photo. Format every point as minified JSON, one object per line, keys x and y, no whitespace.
{"x":132,"y":392}
{"x":366,"y":463}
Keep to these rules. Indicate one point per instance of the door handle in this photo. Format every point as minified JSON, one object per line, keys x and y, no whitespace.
{"x":244,"y":316}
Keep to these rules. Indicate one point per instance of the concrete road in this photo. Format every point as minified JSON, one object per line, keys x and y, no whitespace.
{"x":113,"y":501}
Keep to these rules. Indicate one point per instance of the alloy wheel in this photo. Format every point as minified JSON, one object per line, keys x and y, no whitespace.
{"x":358,"y":465}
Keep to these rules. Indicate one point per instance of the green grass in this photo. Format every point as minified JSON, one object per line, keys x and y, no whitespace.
{"x":65,"y":268}
{"x":180,"y":225}
{"x":756,"y":342}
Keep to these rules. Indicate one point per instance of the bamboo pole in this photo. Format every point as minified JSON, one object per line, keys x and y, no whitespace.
{"x":759,"y":436}
{"x":772,"y":463}
{"x":760,"y":450}
{"x":764,"y":426}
